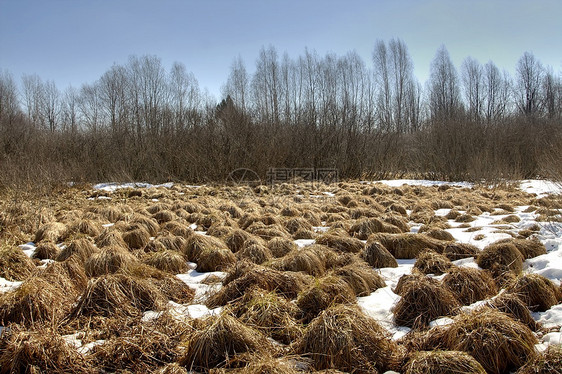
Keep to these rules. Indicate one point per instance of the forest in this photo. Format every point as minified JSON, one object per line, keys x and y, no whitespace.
{"x":142,"y":121}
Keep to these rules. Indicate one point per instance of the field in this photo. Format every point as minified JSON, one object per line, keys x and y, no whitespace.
{"x":353,"y":277}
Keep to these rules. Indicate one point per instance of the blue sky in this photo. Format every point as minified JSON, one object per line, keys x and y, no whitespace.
{"x":74,"y":41}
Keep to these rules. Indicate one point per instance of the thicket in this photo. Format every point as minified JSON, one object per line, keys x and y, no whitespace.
{"x":142,"y":122}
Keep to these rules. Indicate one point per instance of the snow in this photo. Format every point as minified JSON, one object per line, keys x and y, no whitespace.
{"x":6,"y":285}
{"x":194,"y":280}
{"x":540,"y":187}
{"x":112,"y":187}
{"x":421,"y":182}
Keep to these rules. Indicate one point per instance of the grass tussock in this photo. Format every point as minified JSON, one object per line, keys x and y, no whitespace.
{"x":235,"y":240}
{"x":279,"y":247}
{"x":45,"y":250}
{"x":137,"y":238}
{"x":69,"y":275}
{"x":52,"y":231}
{"x":167,"y":260}
{"x":343,"y":338}
{"x":407,"y":246}
{"x":498,"y":342}
{"x":341,"y":243}
{"x":324,"y":292}
{"x":286,"y":284}
{"x":547,"y":362}
{"x":422,"y":302}
{"x":273,"y":315}
{"x":80,"y":249}
{"x":365,"y":227}
{"x":362,"y":278}
{"x":376,"y":255}
{"x":218,"y":340}
{"x":174,"y":289}
{"x":256,"y":253}
{"x":458,"y":251}
{"x":14,"y":264}
{"x":37,"y":300}
{"x":110,"y":238}
{"x":442,"y":362}
{"x":147,"y":223}
{"x":513,"y":306}
{"x":431,"y":262}
{"x":39,"y":349}
{"x":166,"y":243}
{"x":118,"y":294}
{"x":470,"y":285}
{"x":536,"y":291}
{"x":109,"y":260}
{"x":439,"y":234}
{"x":306,"y":260}
{"x":499,"y":258}
{"x":529,"y":248}
{"x":86,"y":227}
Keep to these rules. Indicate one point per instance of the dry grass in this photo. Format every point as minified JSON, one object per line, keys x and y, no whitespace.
{"x":470,"y":285}
{"x":376,"y":255}
{"x":52,"y":231}
{"x":45,"y":250}
{"x":513,"y":306}
{"x":147,"y":223}
{"x":344,"y":338}
{"x":69,"y":275}
{"x":457,"y":251}
{"x":80,"y":249}
{"x":443,"y":362}
{"x":407,"y":246}
{"x":322,"y":293}
{"x":14,"y":264}
{"x":438,"y":234}
{"x":118,"y":294}
{"x":529,"y":248}
{"x":279,"y":247}
{"x":109,"y":260}
{"x":256,"y":253}
{"x":536,"y":291}
{"x":167,"y":260}
{"x":365,"y":227}
{"x":306,"y":260}
{"x":286,"y":284}
{"x":235,"y":240}
{"x":174,"y":289}
{"x":86,"y":227}
{"x":110,"y":238}
{"x":273,"y":315}
{"x":137,"y":238}
{"x":547,"y":362}
{"x":422,"y":302}
{"x":341,"y":244}
{"x":362,"y":278}
{"x":218,"y":340}
{"x":431,"y":262}
{"x":499,"y":258}
{"x":499,"y":343}
{"x":37,"y":350}
{"x":37,"y":300}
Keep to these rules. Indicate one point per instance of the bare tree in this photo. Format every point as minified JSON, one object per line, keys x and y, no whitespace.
{"x":496,"y":93}
{"x":382,"y":79}
{"x":69,"y":113}
{"x":472,"y":78}
{"x":9,"y":105}
{"x":529,"y":78}
{"x":444,"y":93}
{"x":184,"y":95}
{"x":33,"y":93}
{"x":51,"y":105}
{"x":237,"y":84}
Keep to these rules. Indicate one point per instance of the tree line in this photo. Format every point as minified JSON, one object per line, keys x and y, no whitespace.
{"x":141,"y":121}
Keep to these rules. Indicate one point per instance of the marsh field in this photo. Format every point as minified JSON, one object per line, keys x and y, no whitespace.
{"x":350,"y":277}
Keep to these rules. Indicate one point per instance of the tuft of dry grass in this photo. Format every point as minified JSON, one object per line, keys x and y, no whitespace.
{"x":547,"y":362}
{"x":322,"y":293}
{"x":39,"y":349}
{"x":235,"y":240}
{"x":422,"y":302}
{"x":80,"y":249}
{"x":137,"y":238}
{"x":167,"y":260}
{"x":37,"y":300}
{"x":279,"y":247}
{"x":498,"y":342}
{"x":14,"y":264}
{"x":306,"y":260}
{"x":174,"y":289}
{"x":45,"y":250}
{"x":86,"y":227}
{"x":407,"y":246}
{"x":365,"y":227}
{"x":499,"y":258}
{"x":344,"y":338}
{"x":273,"y":315}
{"x":147,"y":223}
{"x":341,"y":244}
{"x":52,"y":231}
{"x":286,"y":284}
{"x":536,"y":291}
{"x":529,"y":248}
{"x":118,"y":294}
{"x":220,"y":338}
{"x":376,"y":255}
{"x":470,"y":285}
{"x":457,"y":251}
{"x":362,"y":278}
{"x":439,"y":234}
{"x":442,"y":362}
{"x":431,"y":262}
{"x":108,"y":260}
{"x":513,"y":306}
{"x":256,"y":253}
{"x":110,"y":238}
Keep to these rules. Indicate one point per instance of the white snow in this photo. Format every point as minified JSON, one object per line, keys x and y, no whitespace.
{"x":421,"y":182}
{"x":194,"y":280}
{"x":112,"y":187}
{"x":6,"y":285}
{"x":540,"y":187}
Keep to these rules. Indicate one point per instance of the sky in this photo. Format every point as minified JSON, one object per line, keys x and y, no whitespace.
{"x":75,"y":41}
